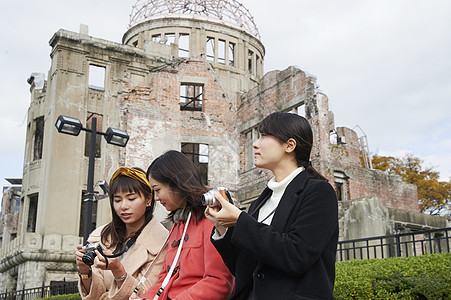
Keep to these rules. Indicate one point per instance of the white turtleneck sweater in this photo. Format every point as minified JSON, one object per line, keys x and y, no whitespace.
{"x":278,"y":188}
{"x":267,"y":210}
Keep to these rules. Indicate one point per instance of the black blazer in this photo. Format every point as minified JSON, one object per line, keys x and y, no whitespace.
{"x":294,"y":258}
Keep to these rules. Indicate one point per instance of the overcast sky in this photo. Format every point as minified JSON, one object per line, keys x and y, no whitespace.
{"x":384,"y":64}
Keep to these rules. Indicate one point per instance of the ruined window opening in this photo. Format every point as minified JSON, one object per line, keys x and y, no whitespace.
{"x":169,"y":38}
{"x":191,"y":96}
{"x":12,"y":236}
{"x":96,"y":76}
{"x":257,"y":65}
{"x":341,"y":185}
{"x":14,"y":201}
{"x":32,"y":213}
{"x":210,"y":49}
{"x":156,"y":38}
{"x":249,"y":62}
{"x":221,"y":51}
{"x":135,"y":44}
{"x":299,"y":110}
{"x":184,"y":45}
{"x":98,"y":136}
{"x":231,"y":54}
{"x":336,"y":139}
{"x":38,"y":138}
{"x":198,"y":153}
{"x":251,"y":137}
{"x":82,"y":215}
{"x":339,"y":190}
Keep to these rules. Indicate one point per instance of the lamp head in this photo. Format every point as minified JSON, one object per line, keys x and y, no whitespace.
{"x":116,"y":137}
{"x":68,"y":125}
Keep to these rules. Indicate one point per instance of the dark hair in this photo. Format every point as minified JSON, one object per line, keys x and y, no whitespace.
{"x":285,"y":126}
{"x":177,"y":171}
{"x":115,"y":230}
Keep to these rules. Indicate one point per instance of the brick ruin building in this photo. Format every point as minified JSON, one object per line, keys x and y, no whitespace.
{"x":188,"y":78}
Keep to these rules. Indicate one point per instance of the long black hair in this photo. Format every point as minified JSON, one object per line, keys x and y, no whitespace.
{"x":285,"y":126}
{"x":182,"y":175}
{"x":114,"y":233}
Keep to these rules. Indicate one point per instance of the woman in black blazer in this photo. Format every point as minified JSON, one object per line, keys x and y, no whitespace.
{"x":284,"y":247}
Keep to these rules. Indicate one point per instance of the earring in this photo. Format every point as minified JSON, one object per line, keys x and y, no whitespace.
{"x":148,"y":204}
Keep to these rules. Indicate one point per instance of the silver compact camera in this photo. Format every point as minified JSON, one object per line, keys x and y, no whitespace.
{"x":208,"y":199}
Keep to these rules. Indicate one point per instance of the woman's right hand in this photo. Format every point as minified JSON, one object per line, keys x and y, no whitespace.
{"x":209,"y":215}
{"x":223,"y":216}
{"x":82,"y":267}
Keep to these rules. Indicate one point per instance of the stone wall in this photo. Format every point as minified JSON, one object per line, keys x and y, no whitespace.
{"x":32,"y":260}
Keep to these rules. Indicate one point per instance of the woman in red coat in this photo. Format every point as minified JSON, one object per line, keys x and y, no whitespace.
{"x":197,"y":270}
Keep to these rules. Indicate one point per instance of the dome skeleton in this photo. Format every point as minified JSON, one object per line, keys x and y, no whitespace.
{"x":228,"y":11}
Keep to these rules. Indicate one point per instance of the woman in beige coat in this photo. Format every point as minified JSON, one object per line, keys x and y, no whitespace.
{"x":133,"y":239}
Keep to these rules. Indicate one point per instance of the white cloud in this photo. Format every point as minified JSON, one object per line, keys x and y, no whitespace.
{"x":441,"y":164}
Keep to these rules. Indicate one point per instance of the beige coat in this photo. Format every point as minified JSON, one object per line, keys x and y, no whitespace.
{"x":136,"y":262}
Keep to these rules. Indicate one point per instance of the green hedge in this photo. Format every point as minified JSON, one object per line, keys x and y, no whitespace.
{"x":63,"y":297}
{"x":416,"y":277}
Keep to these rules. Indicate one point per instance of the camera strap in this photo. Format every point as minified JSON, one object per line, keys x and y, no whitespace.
{"x":116,"y":252}
{"x":174,"y":262}
{"x":120,"y":249}
{"x":269,"y":215}
{"x":144,"y":278}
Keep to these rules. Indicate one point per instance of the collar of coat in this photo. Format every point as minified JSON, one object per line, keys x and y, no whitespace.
{"x":287,"y":202}
{"x":148,"y":242}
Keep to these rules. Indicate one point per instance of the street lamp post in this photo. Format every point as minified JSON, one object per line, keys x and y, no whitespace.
{"x":113,"y":136}
{"x":87,"y":222}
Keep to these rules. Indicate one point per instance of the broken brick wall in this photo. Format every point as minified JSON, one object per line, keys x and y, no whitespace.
{"x":281,"y":91}
{"x":156,"y":123}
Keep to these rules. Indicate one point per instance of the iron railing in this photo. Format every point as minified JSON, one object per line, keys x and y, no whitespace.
{"x":397,"y":245}
{"x":59,"y":288}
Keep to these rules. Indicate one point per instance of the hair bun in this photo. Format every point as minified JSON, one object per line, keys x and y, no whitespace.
{"x":307,"y":164}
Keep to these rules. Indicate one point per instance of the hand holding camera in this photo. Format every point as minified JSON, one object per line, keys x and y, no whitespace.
{"x":92,"y":250}
{"x":82,"y":267}
{"x":89,"y":253}
{"x":208,"y":199}
{"x":222,"y":213}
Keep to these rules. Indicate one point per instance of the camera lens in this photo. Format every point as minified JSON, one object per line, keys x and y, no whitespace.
{"x":88,"y":257}
{"x":208,"y":198}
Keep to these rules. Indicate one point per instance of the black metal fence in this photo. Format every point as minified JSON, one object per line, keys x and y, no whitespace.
{"x":397,"y":245}
{"x":59,"y":288}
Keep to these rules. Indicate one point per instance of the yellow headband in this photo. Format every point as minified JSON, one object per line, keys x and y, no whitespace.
{"x":132,"y":173}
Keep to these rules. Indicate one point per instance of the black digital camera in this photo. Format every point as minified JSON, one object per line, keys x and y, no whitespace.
{"x":90,"y":254}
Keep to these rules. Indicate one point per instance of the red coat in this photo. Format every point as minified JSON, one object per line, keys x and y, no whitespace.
{"x":200,"y":272}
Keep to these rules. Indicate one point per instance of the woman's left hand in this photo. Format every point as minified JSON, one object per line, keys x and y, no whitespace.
{"x":225,"y":215}
{"x":114,"y":264}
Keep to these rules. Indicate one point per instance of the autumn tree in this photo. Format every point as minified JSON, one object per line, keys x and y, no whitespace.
{"x":434,"y":196}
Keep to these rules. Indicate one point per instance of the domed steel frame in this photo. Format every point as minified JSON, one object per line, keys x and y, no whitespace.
{"x":229,"y":11}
